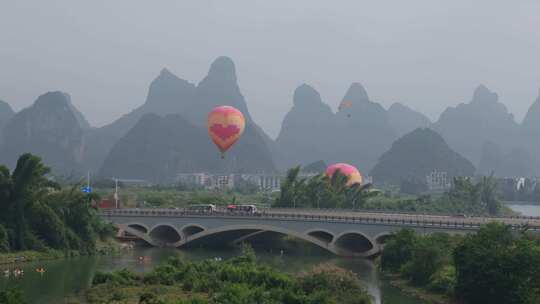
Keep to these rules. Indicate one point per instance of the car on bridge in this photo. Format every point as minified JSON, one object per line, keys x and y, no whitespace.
{"x":249,"y":209}
{"x":203,"y":208}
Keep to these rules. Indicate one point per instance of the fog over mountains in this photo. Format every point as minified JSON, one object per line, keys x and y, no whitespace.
{"x":167,"y":134}
{"x":416,"y":154}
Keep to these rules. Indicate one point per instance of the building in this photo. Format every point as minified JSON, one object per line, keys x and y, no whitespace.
{"x":193,"y":179}
{"x":368,"y":180}
{"x":221,"y":181}
{"x":265,"y":182}
{"x":207,"y":180}
{"x":437,"y":181}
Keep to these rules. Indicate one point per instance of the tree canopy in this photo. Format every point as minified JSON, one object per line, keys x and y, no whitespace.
{"x":321,"y":191}
{"x":38,"y":214}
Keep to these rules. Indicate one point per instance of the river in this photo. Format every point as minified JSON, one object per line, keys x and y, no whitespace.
{"x":71,"y":276}
{"x":525,"y":209}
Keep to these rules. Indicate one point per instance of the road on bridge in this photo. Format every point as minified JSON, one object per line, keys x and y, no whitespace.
{"x":378,"y":215}
{"x":354,"y":215}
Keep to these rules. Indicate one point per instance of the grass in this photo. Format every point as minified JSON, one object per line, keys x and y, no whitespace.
{"x":131,"y":294}
{"x":418,"y":292}
{"x":30,"y":256}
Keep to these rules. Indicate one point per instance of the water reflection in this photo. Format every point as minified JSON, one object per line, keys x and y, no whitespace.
{"x":67,"y":277}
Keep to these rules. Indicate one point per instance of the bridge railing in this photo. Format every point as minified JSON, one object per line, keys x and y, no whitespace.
{"x":408,"y":212}
{"x":452,"y":223}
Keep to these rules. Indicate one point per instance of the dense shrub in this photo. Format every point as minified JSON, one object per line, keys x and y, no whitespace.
{"x":4,"y":239}
{"x":497,"y":266}
{"x":122,"y":277}
{"x":241,"y":280}
{"x":444,"y":280}
{"x":11,"y":296}
{"x":494,"y":265}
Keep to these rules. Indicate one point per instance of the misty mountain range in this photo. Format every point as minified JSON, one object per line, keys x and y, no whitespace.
{"x":167,"y":134}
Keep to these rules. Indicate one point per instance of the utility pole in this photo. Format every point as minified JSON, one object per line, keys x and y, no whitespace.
{"x":88,"y":187}
{"x":116,"y":192}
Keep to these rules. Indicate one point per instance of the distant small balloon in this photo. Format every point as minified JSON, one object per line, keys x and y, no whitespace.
{"x":225,"y":126}
{"x":353,"y":175}
{"x":345,"y":105}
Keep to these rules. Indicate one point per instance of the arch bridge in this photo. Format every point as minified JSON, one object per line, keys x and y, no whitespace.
{"x":344,"y":233}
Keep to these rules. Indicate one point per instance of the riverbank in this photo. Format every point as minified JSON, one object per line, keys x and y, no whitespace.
{"x":417,"y":292}
{"x":527,"y":203}
{"x":30,"y":256}
{"x":107,"y":247}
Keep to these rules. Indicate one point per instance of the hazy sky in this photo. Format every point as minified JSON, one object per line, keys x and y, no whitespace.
{"x":427,"y":54}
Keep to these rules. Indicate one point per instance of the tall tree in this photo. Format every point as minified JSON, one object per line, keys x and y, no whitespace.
{"x":29,"y":183}
{"x":497,"y":266}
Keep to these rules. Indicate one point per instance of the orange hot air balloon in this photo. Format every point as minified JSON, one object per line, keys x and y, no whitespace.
{"x":225,"y":126}
{"x":354,"y":176}
{"x":345,"y":104}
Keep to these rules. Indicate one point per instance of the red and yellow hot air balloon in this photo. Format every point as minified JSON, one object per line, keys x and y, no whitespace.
{"x":346,"y":104}
{"x":225,"y":126}
{"x":354,"y":176}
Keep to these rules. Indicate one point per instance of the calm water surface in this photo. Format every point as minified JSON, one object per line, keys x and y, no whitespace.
{"x":529,"y":210}
{"x":67,"y":277}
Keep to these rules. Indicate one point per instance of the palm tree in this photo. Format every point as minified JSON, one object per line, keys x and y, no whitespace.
{"x":291,"y":189}
{"x":488,"y":194}
{"x":27,"y":182}
{"x":358,"y":194}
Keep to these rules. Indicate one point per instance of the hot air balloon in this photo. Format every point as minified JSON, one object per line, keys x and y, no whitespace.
{"x":345,"y":105}
{"x":225,"y":126}
{"x":353,"y":175}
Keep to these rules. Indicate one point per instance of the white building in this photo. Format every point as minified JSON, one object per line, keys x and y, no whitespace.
{"x":221,"y":181}
{"x":265,"y":182}
{"x":368,"y":180}
{"x":193,"y":179}
{"x":437,"y":181}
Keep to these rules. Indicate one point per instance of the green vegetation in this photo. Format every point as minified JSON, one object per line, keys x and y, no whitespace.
{"x":465,"y":197}
{"x":321,"y":191}
{"x":240,"y":280}
{"x":39,"y":215}
{"x":11,"y":296}
{"x":162,"y":196}
{"x":495,"y":265}
{"x":32,"y":255}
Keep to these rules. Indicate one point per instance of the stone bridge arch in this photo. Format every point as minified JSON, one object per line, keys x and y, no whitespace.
{"x":251,"y":230}
{"x":321,"y":234}
{"x":355,"y":243}
{"x":165,"y":234}
{"x":191,"y":229}
{"x":349,"y":243}
{"x":139,"y":227}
